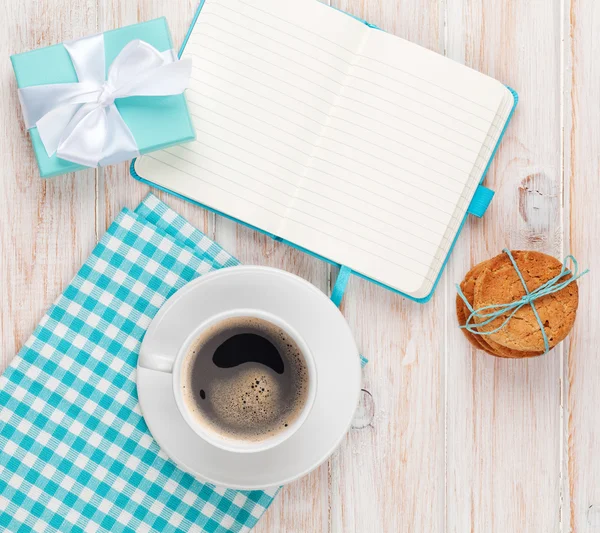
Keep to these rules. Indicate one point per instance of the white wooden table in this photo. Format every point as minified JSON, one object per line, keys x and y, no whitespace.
{"x":448,"y":439}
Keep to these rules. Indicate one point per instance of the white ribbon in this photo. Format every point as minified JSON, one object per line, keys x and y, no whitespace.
{"x":79,"y":121}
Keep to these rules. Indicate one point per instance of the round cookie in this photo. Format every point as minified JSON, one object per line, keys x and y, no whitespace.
{"x":462,"y":312}
{"x":500,"y":283}
{"x":474,"y":340}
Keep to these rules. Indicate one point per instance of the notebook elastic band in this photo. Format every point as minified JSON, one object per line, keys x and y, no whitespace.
{"x":340,"y":285}
{"x":338,"y":293}
{"x":481,"y":201}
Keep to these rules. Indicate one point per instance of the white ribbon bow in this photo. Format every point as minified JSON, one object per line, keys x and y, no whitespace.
{"x":79,"y":121}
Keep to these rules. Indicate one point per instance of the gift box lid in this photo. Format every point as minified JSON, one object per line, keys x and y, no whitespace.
{"x":156,"y":122}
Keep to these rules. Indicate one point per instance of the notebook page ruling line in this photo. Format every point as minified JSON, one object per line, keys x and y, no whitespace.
{"x":274,"y":194}
{"x":174,"y":174}
{"x":460,"y":85}
{"x":430,"y":120}
{"x":392,"y":156}
{"x":462,"y":105}
{"x":248,"y":58}
{"x":431,"y":107}
{"x":229,"y":46}
{"x":486,"y":155}
{"x":330,"y":32}
{"x":361,"y":255}
{"x":375,"y":165}
{"x":302,"y":39}
{"x":374,"y":231}
{"x":295,"y":62}
{"x":439,"y":173}
{"x":416,"y":238}
{"x":306,"y":120}
{"x":358,"y":178}
{"x":358,"y":201}
{"x":216,"y":61}
{"x":256,"y":127}
{"x":236,"y":32}
{"x":402,"y":126}
{"x":223,"y":81}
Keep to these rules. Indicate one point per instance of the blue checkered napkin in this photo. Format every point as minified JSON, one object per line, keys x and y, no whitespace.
{"x":75,"y":453}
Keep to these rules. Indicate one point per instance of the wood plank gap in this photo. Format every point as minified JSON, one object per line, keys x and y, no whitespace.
{"x":447,"y":286}
{"x":564,"y":497}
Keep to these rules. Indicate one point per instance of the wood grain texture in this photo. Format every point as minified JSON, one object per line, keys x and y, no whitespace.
{"x":582,"y":171}
{"x":116,"y":188}
{"x":503,"y":416}
{"x":46,"y":226}
{"x":389,"y":475}
{"x":446,"y":438}
{"x":302,"y":505}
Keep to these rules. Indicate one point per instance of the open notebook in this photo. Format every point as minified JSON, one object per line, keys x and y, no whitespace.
{"x":334,"y":136}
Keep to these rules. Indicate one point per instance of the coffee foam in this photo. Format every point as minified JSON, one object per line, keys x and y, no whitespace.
{"x":249,"y":398}
{"x":249,"y":401}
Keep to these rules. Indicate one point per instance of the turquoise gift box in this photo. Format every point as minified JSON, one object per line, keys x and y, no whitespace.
{"x":156,"y":122}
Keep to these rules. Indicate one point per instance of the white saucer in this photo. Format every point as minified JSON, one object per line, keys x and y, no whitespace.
{"x":330,"y":341}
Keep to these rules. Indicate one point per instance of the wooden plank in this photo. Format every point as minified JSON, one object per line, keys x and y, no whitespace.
{"x":389,"y":474}
{"x":581,"y":512}
{"x":116,"y":188}
{"x":304,"y":502}
{"x":47,"y":227}
{"x":302,"y":505}
{"x":503,"y":416}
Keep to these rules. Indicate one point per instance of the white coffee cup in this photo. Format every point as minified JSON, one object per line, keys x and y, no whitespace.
{"x":172,"y":364}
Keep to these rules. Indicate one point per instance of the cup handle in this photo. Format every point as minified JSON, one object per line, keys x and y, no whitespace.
{"x":156,"y":361}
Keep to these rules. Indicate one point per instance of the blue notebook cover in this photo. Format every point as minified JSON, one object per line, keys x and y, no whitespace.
{"x":477,"y":207}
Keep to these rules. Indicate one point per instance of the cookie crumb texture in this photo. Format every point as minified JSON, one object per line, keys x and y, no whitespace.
{"x":495,"y":281}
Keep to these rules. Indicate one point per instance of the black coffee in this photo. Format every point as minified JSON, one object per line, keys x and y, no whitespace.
{"x":245,"y":378}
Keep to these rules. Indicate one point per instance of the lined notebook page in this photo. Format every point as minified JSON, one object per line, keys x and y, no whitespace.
{"x":397,"y":164}
{"x":340,"y":138}
{"x":265,"y":76}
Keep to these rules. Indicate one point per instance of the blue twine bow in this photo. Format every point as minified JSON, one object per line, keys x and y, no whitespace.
{"x":489,"y":313}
